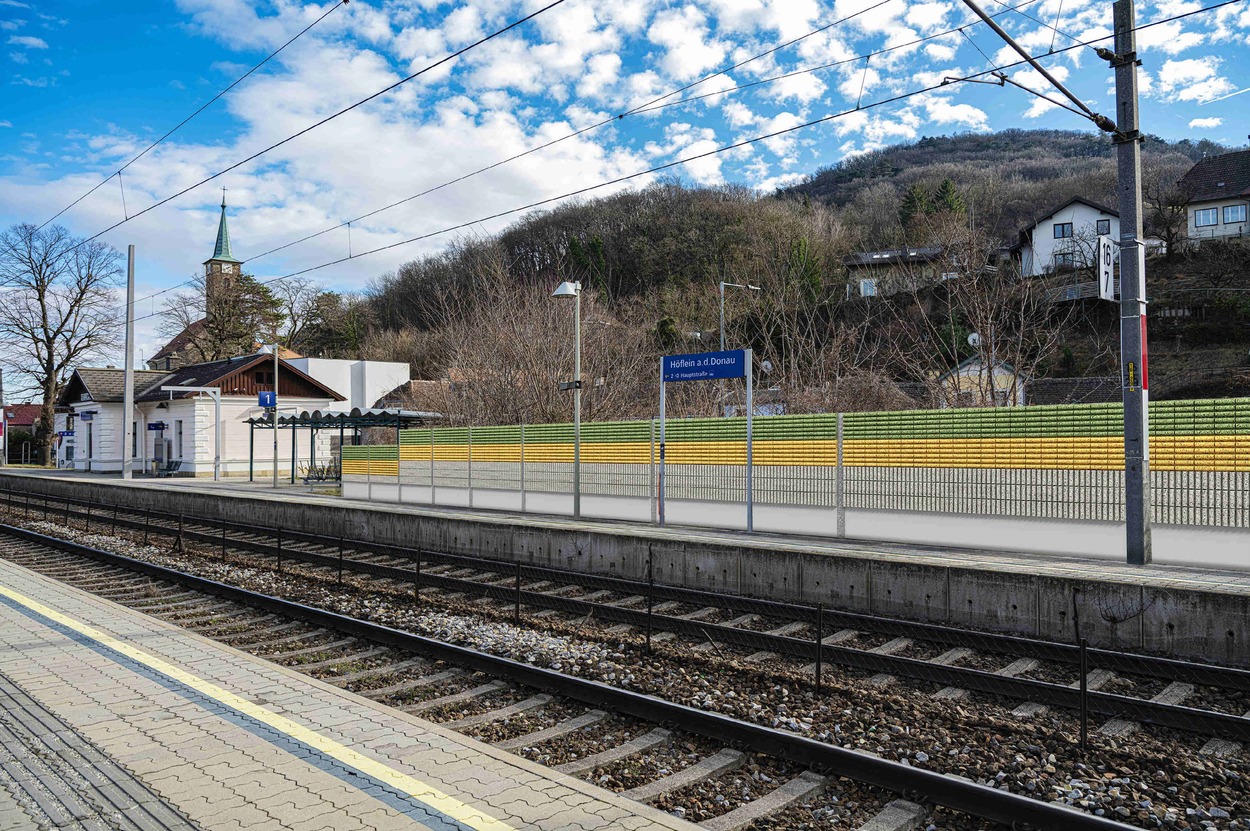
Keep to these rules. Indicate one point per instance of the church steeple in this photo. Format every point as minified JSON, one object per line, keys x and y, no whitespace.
{"x":222,"y":252}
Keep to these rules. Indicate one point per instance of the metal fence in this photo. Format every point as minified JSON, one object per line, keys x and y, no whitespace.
{"x":1060,"y":462}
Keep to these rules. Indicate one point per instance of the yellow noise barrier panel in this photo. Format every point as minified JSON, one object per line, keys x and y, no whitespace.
{"x":1216,"y":453}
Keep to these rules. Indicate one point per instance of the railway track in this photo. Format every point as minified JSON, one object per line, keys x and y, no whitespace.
{"x":565,"y":729}
{"x":1206,"y":699}
{"x":724,"y":773}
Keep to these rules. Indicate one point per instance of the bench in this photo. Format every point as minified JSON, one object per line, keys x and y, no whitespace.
{"x":171,"y":467}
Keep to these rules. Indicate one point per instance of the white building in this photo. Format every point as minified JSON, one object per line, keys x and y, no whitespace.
{"x":1219,"y":196}
{"x":1066,"y":238}
{"x":181,"y":426}
{"x":361,"y":383}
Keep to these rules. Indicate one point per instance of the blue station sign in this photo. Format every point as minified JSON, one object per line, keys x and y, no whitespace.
{"x":156,"y":426}
{"x":704,"y":366}
{"x":267,"y":398}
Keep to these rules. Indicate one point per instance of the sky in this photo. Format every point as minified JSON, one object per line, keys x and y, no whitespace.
{"x":88,"y":84}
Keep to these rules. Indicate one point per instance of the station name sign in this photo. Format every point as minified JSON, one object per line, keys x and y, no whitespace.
{"x":704,"y":366}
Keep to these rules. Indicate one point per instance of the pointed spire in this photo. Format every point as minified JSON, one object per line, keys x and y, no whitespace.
{"x":222,"y":250}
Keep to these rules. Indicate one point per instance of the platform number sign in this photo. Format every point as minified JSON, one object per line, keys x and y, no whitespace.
{"x":1106,"y":268}
{"x":268,"y":398}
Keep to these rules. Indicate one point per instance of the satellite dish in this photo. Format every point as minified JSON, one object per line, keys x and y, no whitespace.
{"x":974,"y":340}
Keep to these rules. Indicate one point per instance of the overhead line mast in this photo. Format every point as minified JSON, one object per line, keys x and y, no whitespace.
{"x":1134,"y":379}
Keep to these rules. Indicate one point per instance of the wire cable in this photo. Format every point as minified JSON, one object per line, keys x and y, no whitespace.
{"x":327,"y":119}
{"x":202,"y":108}
{"x":743,"y":143}
{"x":654,"y":105}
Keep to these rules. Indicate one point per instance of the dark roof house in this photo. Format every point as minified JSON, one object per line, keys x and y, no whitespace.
{"x":22,"y":416}
{"x":1226,"y":176}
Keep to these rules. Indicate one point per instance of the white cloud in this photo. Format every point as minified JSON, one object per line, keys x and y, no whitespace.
{"x":6,"y":123}
{"x":27,"y":42}
{"x":689,"y":48}
{"x":1193,"y":79}
{"x":1205,"y":123}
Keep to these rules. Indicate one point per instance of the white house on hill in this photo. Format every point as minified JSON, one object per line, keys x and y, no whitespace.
{"x":1219,"y":196}
{"x":1065,"y":238}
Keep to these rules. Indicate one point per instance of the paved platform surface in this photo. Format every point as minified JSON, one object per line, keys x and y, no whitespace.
{"x":143,"y":725}
{"x":1228,"y":581}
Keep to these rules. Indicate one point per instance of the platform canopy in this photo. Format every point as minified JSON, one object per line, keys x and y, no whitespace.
{"x":356,"y":419}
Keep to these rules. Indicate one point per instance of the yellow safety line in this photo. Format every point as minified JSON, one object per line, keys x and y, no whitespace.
{"x":426,"y":793}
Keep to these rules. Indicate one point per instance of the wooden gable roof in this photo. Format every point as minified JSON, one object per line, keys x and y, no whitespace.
{"x":242,"y":377}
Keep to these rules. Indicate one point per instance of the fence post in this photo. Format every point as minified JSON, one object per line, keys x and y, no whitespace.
{"x":516,"y":606}
{"x":433,"y":497}
{"x":178,"y":540}
{"x":113,"y":527}
{"x":820,"y":648}
{"x":223,"y":537}
{"x":1084,"y":695}
{"x":279,"y":549}
{"x":839,"y":484}
{"x":399,"y":464}
{"x":469,"y":430}
{"x":67,"y":525}
{"x":650,"y":595}
{"x":651,"y":492}
{"x":340,"y":561}
{"x":147,"y":521}
{"x":87,"y":526}
{"x":522,"y":468}
{"x":416,"y":584}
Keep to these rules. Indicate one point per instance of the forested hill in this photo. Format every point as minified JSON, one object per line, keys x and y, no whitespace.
{"x":1033,"y":155}
{"x":1010,"y":174}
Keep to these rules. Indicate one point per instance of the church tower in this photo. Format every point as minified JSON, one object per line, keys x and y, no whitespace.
{"x":221,"y":270}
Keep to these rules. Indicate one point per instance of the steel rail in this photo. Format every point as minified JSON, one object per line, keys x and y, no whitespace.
{"x":1113,"y":660}
{"x":918,"y":784}
{"x":1174,"y":716}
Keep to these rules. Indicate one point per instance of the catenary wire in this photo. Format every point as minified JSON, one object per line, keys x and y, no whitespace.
{"x":202,"y":108}
{"x":325,"y":120}
{"x":653,"y":105}
{"x":537,"y":148}
{"x":719,"y":150}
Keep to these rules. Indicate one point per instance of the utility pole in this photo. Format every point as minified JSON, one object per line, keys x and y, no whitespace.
{"x":1134,"y":381}
{"x":275,"y":414}
{"x":4,"y":426}
{"x":128,"y":391}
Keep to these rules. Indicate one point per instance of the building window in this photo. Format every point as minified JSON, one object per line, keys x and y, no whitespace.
{"x":1065,"y":259}
{"x":1234,"y":213}
{"x":178,"y":438}
{"x":867,"y":288}
{"x":1104,"y":227}
{"x":89,"y":440}
{"x":1205,"y":217}
{"x":134,"y":440}
{"x":1063,"y":230}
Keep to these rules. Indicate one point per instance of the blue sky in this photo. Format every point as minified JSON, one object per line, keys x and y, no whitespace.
{"x":87,"y":84}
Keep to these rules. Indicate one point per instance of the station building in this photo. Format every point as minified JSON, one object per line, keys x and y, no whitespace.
{"x":175,"y":432}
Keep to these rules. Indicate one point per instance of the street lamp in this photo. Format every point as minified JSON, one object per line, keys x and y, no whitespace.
{"x":723,"y":286}
{"x":574,"y":290}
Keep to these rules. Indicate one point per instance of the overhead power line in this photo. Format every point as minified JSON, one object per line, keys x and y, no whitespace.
{"x":348,"y":223}
{"x":327,"y":119}
{"x":117,"y":173}
{"x":724,"y":149}
{"x":654,"y":105}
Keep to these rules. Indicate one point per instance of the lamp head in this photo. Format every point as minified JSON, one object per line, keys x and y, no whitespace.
{"x":567,"y":289}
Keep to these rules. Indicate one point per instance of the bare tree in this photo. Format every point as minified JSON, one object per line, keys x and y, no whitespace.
{"x":299,"y":297}
{"x":214,"y":326}
{"x":58,"y":309}
{"x":1166,"y":198}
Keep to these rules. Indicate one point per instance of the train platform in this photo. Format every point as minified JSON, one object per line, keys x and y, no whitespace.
{"x":110,"y":719}
{"x":1187,"y":610}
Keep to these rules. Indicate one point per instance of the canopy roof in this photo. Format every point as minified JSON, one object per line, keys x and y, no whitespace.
{"x":356,"y":418}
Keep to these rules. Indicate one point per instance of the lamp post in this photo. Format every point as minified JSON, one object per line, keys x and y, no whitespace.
{"x":723,"y":286}
{"x":574,"y":290}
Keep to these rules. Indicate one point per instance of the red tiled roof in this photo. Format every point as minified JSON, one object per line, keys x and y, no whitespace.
{"x":22,"y":415}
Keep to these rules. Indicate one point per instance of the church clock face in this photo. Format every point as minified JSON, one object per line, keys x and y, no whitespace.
{"x":227,"y":268}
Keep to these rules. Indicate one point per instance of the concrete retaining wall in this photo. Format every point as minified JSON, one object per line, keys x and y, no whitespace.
{"x":1118,"y":609}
